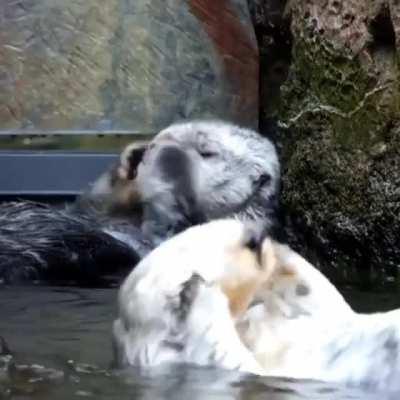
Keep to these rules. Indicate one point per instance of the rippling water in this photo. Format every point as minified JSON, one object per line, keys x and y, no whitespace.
{"x":62,"y":350}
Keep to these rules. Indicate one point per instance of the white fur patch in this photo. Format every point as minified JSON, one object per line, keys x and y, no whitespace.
{"x":148,"y":331}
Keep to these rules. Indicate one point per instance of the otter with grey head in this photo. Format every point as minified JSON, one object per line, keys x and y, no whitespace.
{"x":189,"y":173}
{"x":229,"y":171}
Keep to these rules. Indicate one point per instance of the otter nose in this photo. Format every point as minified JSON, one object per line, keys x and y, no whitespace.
{"x":173,"y":161}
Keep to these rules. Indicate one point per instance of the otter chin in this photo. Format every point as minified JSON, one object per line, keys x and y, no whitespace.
{"x":224,"y":294}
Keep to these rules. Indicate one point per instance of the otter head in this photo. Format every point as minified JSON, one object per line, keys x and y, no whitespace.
{"x":193,"y":172}
{"x":210,"y":169}
{"x":196,"y":280}
{"x":228,"y":254}
{"x":250,"y":268}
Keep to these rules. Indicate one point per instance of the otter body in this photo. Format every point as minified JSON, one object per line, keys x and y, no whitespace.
{"x":223,"y":295}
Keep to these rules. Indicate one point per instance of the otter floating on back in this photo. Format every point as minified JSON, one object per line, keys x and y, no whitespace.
{"x":189,"y":173}
{"x":220,"y":294}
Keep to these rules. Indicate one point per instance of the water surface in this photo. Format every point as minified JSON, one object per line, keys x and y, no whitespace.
{"x":62,"y":336}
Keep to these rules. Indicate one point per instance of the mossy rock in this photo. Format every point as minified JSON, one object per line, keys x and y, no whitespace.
{"x":340,"y":137}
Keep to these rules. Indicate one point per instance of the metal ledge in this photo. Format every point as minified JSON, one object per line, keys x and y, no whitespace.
{"x":50,"y":173}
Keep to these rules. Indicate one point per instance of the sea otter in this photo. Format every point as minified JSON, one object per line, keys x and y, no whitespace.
{"x":191,"y":172}
{"x":226,"y":294}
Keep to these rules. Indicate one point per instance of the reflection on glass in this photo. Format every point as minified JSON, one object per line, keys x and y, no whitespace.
{"x":89,"y":142}
{"x":124,"y":65}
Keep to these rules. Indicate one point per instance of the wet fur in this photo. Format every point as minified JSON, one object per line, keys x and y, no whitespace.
{"x":302,"y":327}
{"x":181,"y":301}
{"x":39,"y":242}
{"x":273,"y":315}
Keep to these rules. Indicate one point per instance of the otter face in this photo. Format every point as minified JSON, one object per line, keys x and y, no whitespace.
{"x":191,"y":173}
{"x":225,"y":165}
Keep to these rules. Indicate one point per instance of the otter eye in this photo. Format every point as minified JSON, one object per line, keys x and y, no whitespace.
{"x":264,"y":179}
{"x":208,"y":154}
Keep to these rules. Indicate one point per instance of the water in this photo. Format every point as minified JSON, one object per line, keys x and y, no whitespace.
{"x":62,"y":350}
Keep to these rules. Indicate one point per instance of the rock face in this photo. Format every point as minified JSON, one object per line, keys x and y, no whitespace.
{"x":339,"y":112}
{"x":275,"y":46}
{"x":134,"y":65}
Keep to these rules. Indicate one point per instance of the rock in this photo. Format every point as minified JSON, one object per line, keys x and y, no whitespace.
{"x":134,"y":65}
{"x":340,"y":136}
{"x":275,"y":45}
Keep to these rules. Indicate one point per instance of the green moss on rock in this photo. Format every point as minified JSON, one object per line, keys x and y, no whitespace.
{"x":341,"y":145}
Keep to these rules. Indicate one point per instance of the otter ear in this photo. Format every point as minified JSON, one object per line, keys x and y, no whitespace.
{"x":130,"y":159}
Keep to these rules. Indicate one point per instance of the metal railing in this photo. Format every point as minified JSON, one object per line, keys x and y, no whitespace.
{"x":57,"y":165}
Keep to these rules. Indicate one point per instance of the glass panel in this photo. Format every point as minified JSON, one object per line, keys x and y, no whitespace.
{"x":87,"y":142}
{"x":123,"y":66}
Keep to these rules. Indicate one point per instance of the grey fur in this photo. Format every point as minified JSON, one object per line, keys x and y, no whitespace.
{"x":374,"y":351}
{"x":233,"y":171}
{"x":39,"y":242}
{"x":302,"y":289}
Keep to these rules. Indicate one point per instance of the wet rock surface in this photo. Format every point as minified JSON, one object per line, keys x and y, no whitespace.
{"x":125,"y":64}
{"x":275,"y":45}
{"x":339,"y":133}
